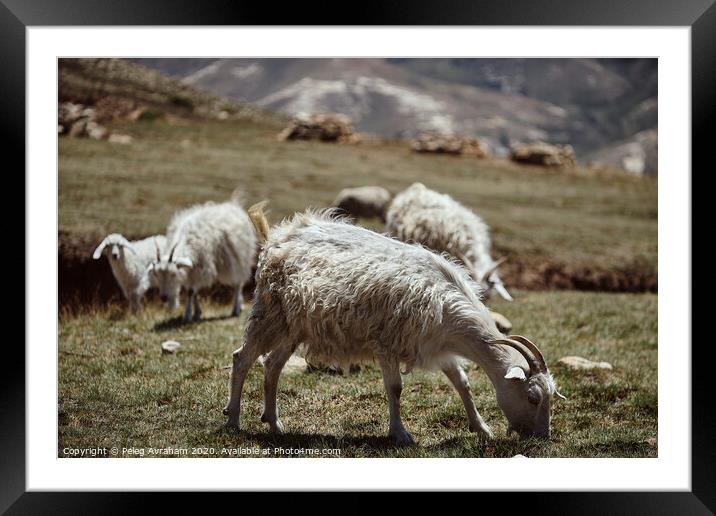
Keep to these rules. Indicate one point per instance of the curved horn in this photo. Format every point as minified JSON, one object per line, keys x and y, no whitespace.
{"x":533,"y":348}
{"x":98,"y":252}
{"x":488,"y":272}
{"x":532,"y":361}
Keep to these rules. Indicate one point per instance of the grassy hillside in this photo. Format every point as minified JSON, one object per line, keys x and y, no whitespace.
{"x":581,"y":221}
{"x":116,"y":389}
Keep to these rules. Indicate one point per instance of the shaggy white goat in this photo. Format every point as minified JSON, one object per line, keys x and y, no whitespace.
{"x":349,"y":295}
{"x":363,"y":201}
{"x":129,"y":260}
{"x":206,"y":244}
{"x":439,"y":222}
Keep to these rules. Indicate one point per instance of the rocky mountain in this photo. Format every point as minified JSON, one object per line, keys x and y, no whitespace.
{"x":592,"y":104}
{"x":116,"y":88}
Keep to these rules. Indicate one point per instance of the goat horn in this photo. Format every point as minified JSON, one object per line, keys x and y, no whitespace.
{"x":159,"y":257}
{"x":533,"y":348}
{"x":532,"y":361}
{"x":486,"y":274}
{"x":171,"y":253}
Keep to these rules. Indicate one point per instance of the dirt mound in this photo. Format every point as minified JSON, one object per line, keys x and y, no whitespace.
{"x":544,"y":154}
{"x":84,"y":282}
{"x":561,"y":276}
{"x":447,"y":144}
{"x":326,"y":127}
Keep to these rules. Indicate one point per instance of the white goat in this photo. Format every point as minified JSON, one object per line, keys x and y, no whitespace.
{"x":206,"y":244}
{"x":439,"y":222}
{"x":363,"y":201}
{"x":349,"y":294}
{"x":129,"y":260}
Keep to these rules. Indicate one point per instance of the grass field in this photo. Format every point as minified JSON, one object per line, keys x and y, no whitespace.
{"x":118,"y":390}
{"x":581,"y":218}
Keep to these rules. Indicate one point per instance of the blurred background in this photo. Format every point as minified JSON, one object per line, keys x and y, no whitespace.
{"x":605,"y":108}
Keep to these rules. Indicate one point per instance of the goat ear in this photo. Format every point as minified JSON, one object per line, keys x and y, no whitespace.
{"x":100,"y":248}
{"x":183,"y":262}
{"x":516,"y":373}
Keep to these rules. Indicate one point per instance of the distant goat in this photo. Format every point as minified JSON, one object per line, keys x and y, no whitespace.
{"x":439,"y":222}
{"x":129,"y":261}
{"x":349,"y":295}
{"x":363,"y":201}
{"x":206,"y":244}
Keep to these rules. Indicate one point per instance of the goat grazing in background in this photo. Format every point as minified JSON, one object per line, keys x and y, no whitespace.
{"x":351,"y":295}
{"x":206,"y":244}
{"x":439,"y":222}
{"x":129,"y":260}
{"x":363,"y":201}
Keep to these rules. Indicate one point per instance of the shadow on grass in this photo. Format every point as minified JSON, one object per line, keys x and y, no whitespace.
{"x":303,"y":440}
{"x":177,"y":322}
{"x":372,"y":445}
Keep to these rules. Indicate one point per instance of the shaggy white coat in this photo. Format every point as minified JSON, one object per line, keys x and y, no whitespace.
{"x":350,"y":295}
{"x":439,"y":222}
{"x":206,"y":244}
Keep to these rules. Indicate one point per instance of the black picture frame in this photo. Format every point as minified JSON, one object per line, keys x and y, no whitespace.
{"x":17,"y":15}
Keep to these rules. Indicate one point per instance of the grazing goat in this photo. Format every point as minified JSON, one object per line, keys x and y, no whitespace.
{"x":206,"y":244}
{"x":129,"y":261}
{"x":363,"y":201}
{"x":350,"y":294}
{"x":439,"y":222}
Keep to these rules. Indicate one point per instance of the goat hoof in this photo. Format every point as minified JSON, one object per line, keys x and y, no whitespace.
{"x":483,"y":433}
{"x":277,"y":427}
{"x":402,"y":438}
{"x":233,"y":422}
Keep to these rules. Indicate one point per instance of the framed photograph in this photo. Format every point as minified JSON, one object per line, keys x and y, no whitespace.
{"x":429,"y":251}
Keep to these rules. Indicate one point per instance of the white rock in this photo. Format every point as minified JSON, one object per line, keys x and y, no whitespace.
{"x":295,"y":365}
{"x":95,"y":131}
{"x":170,"y":346}
{"x":582,"y":363}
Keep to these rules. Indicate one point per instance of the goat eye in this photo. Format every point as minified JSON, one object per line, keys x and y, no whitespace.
{"x":533,"y":397}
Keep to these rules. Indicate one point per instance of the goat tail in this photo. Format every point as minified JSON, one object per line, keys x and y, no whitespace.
{"x":258,"y":219}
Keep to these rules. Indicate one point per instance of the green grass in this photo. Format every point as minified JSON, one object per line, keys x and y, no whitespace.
{"x":581,"y":217}
{"x":116,"y":389}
